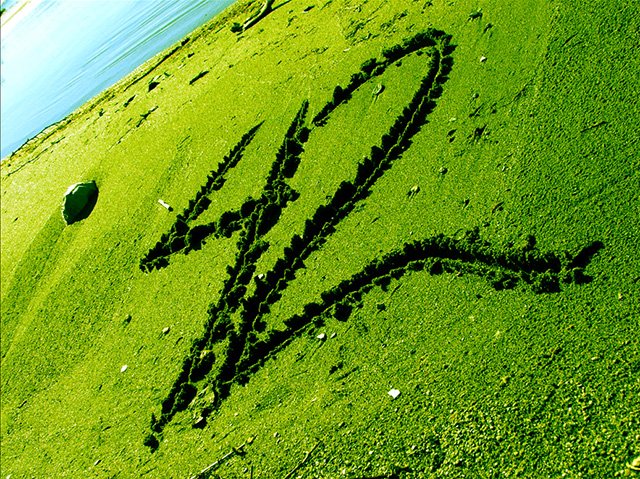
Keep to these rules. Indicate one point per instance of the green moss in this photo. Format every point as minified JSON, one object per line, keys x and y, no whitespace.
{"x":495,"y":379}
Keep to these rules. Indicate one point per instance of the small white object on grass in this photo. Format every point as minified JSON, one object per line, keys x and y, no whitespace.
{"x":166,"y":330}
{"x":165,"y":205}
{"x":123,"y":368}
{"x":394,"y":393}
{"x":321,"y":336}
{"x":483,"y":59}
{"x":413,"y":191}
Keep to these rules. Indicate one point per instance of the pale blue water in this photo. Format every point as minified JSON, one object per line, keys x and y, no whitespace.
{"x":57,"y":54}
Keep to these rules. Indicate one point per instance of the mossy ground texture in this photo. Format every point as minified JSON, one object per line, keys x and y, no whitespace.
{"x":436,"y":197}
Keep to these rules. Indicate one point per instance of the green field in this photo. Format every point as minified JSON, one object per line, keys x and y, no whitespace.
{"x":437,"y":197}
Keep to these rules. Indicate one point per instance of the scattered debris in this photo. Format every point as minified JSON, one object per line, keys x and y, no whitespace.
{"x":155,"y":81}
{"x":336,"y":367}
{"x":595,"y":125}
{"x":144,"y":116}
{"x":128,"y":102}
{"x":199,"y":423}
{"x":394,"y":393}
{"x":214,"y":465}
{"x":477,"y":133}
{"x":379,"y":88}
{"x":266,"y":9}
{"x":413,"y":191}
{"x":165,"y":205}
{"x":301,"y":463}
{"x":123,"y":368}
{"x":198,"y":76}
{"x":475,"y":112}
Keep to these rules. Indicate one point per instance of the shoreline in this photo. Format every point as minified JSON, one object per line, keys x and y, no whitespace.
{"x":19,"y":17}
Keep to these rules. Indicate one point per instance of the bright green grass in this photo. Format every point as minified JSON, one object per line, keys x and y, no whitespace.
{"x":494,"y":383}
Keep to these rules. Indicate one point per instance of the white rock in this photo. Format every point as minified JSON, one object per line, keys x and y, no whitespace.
{"x":322,"y":336}
{"x":123,"y":368}
{"x":483,"y":59}
{"x":394,"y":393}
{"x":165,"y":205}
{"x":166,"y":330}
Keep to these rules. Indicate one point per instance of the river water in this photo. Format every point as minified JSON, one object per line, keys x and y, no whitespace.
{"x":57,"y":54}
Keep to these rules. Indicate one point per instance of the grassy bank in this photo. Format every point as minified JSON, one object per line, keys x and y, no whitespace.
{"x":458,"y":221}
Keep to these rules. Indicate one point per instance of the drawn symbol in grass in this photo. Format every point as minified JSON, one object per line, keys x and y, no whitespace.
{"x":236,"y":341}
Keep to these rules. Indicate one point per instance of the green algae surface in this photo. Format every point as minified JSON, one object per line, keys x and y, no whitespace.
{"x":439,"y":198}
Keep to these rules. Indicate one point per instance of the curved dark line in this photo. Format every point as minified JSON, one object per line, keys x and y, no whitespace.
{"x":243,"y":352}
{"x":436,"y":255}
{"x":327,"y":217}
